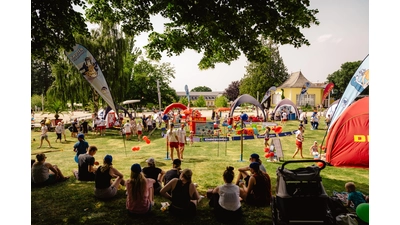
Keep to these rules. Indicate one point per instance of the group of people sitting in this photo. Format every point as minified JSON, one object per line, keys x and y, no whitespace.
{"x":253,"y":185}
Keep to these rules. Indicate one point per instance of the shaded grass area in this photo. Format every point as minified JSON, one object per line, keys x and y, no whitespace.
{"x":73,"y":202}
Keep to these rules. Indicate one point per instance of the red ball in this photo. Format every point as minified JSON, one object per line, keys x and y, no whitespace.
{"x":320,"y":164}
{"x":266,"y":155}
{"x":266,"y":149}
{"x":148,"y":141}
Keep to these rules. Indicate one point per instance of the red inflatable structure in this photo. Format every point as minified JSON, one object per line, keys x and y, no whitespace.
{"x":347,"y":142}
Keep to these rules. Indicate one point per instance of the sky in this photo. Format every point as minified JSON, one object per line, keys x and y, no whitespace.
{"x":340,"y":20}
{"x":342,"y":36}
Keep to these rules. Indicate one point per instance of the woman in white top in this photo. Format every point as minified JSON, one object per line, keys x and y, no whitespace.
{"x":299,"y":142}
{"x":226,"y":200}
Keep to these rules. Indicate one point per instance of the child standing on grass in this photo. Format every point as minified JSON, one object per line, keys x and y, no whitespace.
{"x":191,"y":137}
{"x":266,"y":136}
{"x":299,"y":142}
{"x":314,"y":150}
{"x":354,"y":197}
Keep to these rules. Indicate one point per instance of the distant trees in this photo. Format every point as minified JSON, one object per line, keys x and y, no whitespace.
{"x":221,"y":101}
{"x":232,"y":91}
{"x":201,"y":89}
{"x":261,"y":76}
{"x":200,"y":102}
{"x":342,"y":77}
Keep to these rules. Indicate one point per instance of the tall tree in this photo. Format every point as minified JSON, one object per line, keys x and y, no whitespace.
{"x":143,"y":84}
{"x":41,"y":78}
{"x":53,"y":26}
{"x":232,"y":91}
{"x":200,"y":102}
{"x":221,"y":101}
{"x":201,"y":89}
{"x":112,"y":51}
{"x":220,"y":30}
{"x":342,"y":77}
{"x":261,"y":76}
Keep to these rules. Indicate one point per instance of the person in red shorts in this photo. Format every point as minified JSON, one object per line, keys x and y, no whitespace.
{"x":299,"y":142}
{"x":181,"y":132}
{"x":102,"y":127}
{"x":173,"y":141}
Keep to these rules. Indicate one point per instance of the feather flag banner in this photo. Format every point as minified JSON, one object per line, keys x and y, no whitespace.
{"x":328,"y":88}
{"x":90,"y":70}
{"x":267,"y":96}
{"x":187,"y":95}
{"x":357,"y":84}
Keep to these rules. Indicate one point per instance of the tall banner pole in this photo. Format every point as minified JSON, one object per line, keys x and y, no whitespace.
{"x":159,"y":95}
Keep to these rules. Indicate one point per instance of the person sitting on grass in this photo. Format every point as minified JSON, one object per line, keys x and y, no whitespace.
{"x":184,"y":196}
{"x":243,"y":172}
{"x":258,"y":191}
{"x":86,"y":165}
{"x":105,"y":187}
{"x":44,"y":173}
{"x":139,"y":191}
{"x":175,"y":172}
{"x":155,"y":173}
{"x":354,"y":198}
{"x":226,"y":198}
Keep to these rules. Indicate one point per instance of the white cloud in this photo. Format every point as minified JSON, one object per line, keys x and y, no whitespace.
{"x":337,"y":40}
{"x":324,"y":37}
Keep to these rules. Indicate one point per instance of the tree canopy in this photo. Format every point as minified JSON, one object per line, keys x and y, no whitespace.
{"x":342,"y":77}
{"x":53,"y":26}
{"x":261,"y":76}
{"x":201,"y":89}
{"x":221,"y":30}
{"x":232,"y":91}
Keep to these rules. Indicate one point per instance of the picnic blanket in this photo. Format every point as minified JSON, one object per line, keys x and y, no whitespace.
{"x":343,"y":197}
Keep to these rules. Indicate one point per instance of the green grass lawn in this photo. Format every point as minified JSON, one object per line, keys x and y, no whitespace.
{"x":73,"y":202}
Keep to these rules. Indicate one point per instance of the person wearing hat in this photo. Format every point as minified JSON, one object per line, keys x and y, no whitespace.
{"x":155,"y":173}
{"x":244,"y":172}
{"x":258,"y":191}
{"x":183,"y":195}
{"x":139,"y":192}
{"x":58,"y":131}
{"x":81,"y":146}
{"x":43,"y":135}
{"x":44,"y":173}
{"x":175,"y":172}
{"x":104,"y":186}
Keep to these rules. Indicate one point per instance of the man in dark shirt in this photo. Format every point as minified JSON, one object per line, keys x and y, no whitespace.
{"x":86,"y":165}
{"x":155,"y":173}
{"x":175,"y":172}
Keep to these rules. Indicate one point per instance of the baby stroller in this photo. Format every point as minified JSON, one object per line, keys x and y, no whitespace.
{"x":300,"y":196}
